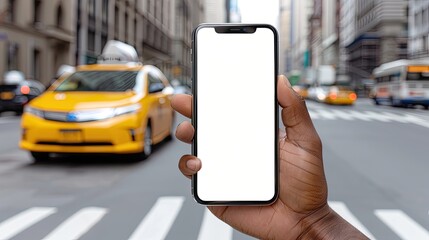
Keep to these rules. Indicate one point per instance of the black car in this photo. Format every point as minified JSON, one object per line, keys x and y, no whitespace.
{"x":13,"y":97}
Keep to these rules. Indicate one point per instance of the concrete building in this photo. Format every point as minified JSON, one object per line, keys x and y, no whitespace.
{"x":347,"y":34}
{"x":215,"y":11}
{"x":381,"y":36}
{"x":187,"y":15}
{"x":315,"y":34}
{"x":285,"y":55}
{"x":294,"y":28}
{"x":418,"y":44}
{"x":233,"y":14}
{"x":145,"y":24}
{"x":35,"y":42}
{"x":330,"y":32}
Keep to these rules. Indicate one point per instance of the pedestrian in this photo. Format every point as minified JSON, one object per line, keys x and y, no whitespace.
{"x":301,"y":210}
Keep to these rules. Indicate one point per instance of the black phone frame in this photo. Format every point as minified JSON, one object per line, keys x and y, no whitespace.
{"x":232,"y":28}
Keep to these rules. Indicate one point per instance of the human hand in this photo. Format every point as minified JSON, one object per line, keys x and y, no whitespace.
{"x":301,"y":209}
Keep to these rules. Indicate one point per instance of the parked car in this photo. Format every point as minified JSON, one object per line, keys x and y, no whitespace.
{"x":118,"y":106}
{"x":16,"y":92}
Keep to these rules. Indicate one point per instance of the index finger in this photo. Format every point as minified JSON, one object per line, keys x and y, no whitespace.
{"x":182,"y":103}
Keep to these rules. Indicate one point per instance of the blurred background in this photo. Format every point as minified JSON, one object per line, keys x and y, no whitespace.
{"x":362,"y":66}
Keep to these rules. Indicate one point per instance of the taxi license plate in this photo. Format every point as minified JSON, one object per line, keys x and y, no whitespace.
{"x":70,"y":136}
{"x":7,"y":95}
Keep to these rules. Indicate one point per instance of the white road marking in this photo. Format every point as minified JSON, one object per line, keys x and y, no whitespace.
{"x":343,"y":115}
{"x":344,"y":212}
{"x":405,"y":227}
{"x":213,"y":229}
{"x":77,"y":225}
{"x":158,"y":221}
{"x":326,"y":114}
{"x":313,"y":114}
{"x":23,"y":220}
{"x":394,"y":117}
{"x":368,"y":116}
{"x":377,"y":116}
{"x":360,"y":116}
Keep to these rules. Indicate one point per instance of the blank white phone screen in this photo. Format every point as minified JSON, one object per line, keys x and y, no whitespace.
{"x":236,"y":115}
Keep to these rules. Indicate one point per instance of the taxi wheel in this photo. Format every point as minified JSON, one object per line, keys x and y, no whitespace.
{"x":147,"y":151}
{"x":40,"y":156}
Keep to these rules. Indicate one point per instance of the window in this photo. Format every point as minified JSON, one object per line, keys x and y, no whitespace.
{"x":105,"y":11}
{"x":116,"y":22}
{"x":35,"y":71}
{"x":100,"y":81}
{"x":126,"y":27}
{"x":59,"y":17}
{"x":91,"y":8}
{"x":162,"y":11}
{"x":91,"y":40}
{"x":150,"y":6}
{"x":155,"y":84}
{"x":12,"y":56}
{"x":135,"y":31}
{"x":37,"y":11}
{"x":11,"y":11}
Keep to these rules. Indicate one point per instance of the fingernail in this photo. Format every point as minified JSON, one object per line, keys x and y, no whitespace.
{"x":286,"y":81}
{"x":192,"y":164}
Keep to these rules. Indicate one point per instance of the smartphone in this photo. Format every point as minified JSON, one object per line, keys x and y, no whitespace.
{"x":235,"y":114}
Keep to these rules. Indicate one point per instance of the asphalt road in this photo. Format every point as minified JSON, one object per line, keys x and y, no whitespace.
{"x":376,"y":160}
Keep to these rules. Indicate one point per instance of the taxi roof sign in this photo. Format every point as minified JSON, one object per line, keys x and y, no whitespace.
{"x":116,"y":51}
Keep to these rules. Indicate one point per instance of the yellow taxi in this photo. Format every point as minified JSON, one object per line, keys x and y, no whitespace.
{"x":116,"y":106}
{"x":340,"y":95}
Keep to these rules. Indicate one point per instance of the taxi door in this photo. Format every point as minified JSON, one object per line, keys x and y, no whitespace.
{"x":158,"y":103}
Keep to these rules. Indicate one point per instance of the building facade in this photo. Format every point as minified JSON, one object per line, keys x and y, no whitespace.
{"x":330,"y":32}
{"x":418,"y":44}
{"x":347,"y":32}
{"x":294,"y":28}
{"x":315,"y":34}
{"x":381,"y":36}
{"x":187,"y":15}
{"x":285,"y":55}
{"x":216,"y":11}
{"x":37,"y":37}
{"x":145,"y":24}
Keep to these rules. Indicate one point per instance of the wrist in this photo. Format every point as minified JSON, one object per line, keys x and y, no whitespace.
{"x":326,"y":224}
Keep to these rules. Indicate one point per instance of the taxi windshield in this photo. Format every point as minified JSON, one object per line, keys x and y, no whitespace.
{"x":99,"y":81}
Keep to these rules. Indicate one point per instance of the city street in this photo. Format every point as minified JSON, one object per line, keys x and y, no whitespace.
{"x":376,"y":160}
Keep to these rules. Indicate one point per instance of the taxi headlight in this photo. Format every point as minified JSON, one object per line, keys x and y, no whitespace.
{"x":34,"y":111}
{"x":101,"y":114}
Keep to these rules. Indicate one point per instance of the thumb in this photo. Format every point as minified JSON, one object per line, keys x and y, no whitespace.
{"x":296,"y":119}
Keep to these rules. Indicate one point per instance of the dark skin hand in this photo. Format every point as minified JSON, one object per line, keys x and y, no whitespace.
{"x":301,"y":210}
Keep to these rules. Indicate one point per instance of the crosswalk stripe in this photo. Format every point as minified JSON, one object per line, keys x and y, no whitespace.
{"x":213,"y":229}
{"x":405,"y":227}
{"x":77,"y":225}
{"x":313,"y":114}
{"x":158,"y":221}
{"x":326,"y":114}
{"x":343,"y":115}
{"x":395,"y":117}
{"x":23,"y":220}
{"x":344,"y":212}
{"x":377,"y":116}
